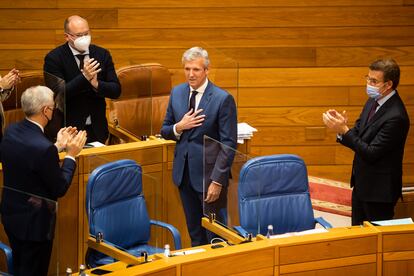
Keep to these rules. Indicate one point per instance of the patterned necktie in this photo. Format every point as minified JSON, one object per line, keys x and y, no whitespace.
{"x":372,"y":111}
{"x":81,"y":58}
{"x":192,"y":100}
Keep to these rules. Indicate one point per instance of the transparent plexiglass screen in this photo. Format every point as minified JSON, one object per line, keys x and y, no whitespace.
{"x":28,"y":216}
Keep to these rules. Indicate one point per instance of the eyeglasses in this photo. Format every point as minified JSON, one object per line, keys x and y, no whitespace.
{"x":372,"y":80}
{"x":79,"y":35}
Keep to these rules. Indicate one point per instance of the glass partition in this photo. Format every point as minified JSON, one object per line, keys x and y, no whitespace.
{"x":58,"y":86}
{"x":27,"y":216}
{"x":132,"y":111}
{"x":224,"y":165}
{"x":121,"y":201}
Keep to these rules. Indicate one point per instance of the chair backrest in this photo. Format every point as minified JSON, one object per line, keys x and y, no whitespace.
{"x":115,"y":205}
{"x":145,"y":93}
{"x":12,"y":106}
{"x":274,"y":190}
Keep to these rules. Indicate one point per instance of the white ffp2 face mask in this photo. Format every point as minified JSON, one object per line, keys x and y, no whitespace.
{"x":82,"y":43}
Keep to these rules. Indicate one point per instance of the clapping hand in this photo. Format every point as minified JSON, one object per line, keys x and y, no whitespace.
{"x":10,"y":79}
{"x":90,"y":70}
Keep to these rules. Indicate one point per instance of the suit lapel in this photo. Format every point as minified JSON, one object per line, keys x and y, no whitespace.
{"x":382,"y":111}
{"x":71,"y":59}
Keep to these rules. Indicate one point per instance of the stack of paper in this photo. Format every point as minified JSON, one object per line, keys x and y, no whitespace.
{"x":244,"y":131}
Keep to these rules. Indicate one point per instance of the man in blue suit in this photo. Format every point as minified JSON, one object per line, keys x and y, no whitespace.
{"x":33,"y":179}
{"x":196,"y":109}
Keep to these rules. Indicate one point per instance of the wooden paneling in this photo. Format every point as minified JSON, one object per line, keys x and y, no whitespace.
{"x":269,"y":17}
{"x":362,"y":56}
{"x":22,"y":59}
{"x":53,"y":19}
{"x":225,"y":265}
{"x":362,"y":269}
{"x":288,"y":77}
{"x":219,"y":3}
{"x":291,"y":116}
{"x":293,"y":96}
{"x":323,"y":250}
{"x":28,"y":39}
{"x":252,"y":37}
{"x":29,"y":4}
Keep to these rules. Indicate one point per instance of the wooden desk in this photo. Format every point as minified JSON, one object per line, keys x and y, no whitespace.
{"x":396,"y":249}
{"x":342,"y":251}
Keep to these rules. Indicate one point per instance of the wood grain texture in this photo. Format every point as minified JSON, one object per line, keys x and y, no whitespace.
{"x":252,"y":37}
{"x":47,"y":19}
{"x":218,"y":3}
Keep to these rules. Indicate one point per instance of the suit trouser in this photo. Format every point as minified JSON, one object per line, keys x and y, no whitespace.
{"x":370,"y":211}
{"x":30,"y":257}
{"x":195,"y":209}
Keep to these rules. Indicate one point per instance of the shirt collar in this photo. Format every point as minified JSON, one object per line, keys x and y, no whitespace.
{"x":384,"y":99}
{"x":202,"y":88}
{"x":36,"y":123}
{"x":76,"y":52}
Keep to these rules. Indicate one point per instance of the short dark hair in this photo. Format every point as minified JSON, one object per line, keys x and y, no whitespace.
{"x":390,"y":69}
{"x":66,"y":25}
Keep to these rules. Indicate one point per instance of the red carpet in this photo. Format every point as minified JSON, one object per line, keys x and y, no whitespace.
{"x":330,"y":196}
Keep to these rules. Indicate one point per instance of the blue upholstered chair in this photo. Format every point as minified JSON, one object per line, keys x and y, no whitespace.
{"x":9,"y":258}
{"x":116,"y":208}
{"x":274,"y":190}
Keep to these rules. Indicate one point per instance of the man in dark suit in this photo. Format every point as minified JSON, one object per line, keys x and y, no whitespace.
{"x":33,"y":180}
{"x":190,"y":116}
{"x":90,"y":77}
{"x":378,"y":140}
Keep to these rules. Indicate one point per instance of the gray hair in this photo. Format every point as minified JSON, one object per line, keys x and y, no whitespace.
{"x":35,"y":98}
{"x":195,"y":53}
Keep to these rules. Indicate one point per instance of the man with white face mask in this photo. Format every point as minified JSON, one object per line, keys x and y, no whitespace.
{"x":378,"y":140}
{"x":89,"y":75}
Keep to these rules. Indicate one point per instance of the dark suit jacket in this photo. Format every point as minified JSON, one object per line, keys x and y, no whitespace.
{"x":220,"y":124}
{"x":80,"y":97}
{"x":31,"y":164}
{"x":379,"y":148}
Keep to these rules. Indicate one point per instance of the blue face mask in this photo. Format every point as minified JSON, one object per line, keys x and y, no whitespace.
{"x":373,"y":92}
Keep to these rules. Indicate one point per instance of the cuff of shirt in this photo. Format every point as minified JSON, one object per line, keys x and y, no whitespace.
{"x":177,"y":135}
{"x":339,"y":137}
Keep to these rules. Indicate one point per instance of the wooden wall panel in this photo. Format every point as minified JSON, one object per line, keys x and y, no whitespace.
{"x":27,"y":39}
{"x":252,"y":37}
{"x":293,"y":96}
{"x":220,"y":3}
{"x":45,"y":4}
{"x":362,"y":56}
{"x":290,"y":116}
{"x":284,"y":61}
{"x":48,"y":19}
{"x":269,"y":17}
{"x":287,"y":77}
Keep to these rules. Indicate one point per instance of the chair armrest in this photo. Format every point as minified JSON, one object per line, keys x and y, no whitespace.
{"x":176,"y":235}
{"x":9,"y":258}
{"x":323,"y":222}
{"x":241,"y":231}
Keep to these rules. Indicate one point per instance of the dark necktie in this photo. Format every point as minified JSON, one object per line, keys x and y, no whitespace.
{"x":80,"y":57}
{"x":372,"y":111}
{"x":192,"y":100}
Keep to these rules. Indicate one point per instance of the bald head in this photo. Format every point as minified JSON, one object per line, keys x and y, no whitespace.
{"x":75,"y":24}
